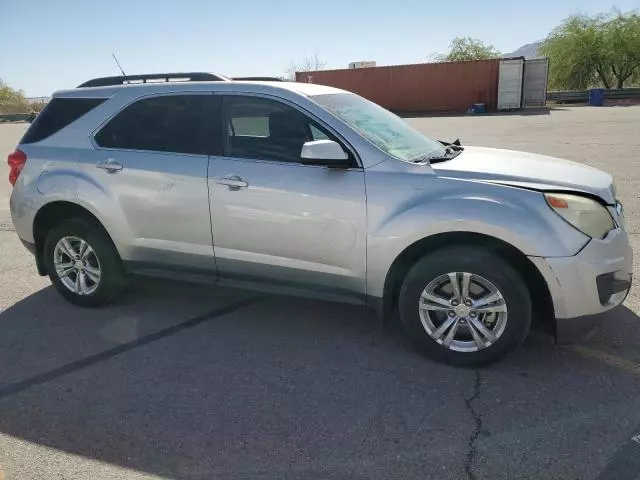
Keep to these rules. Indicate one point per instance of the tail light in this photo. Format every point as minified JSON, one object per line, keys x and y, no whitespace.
{"x":16,"y":163}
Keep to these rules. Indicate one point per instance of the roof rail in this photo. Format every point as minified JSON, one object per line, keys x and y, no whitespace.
{"x":155,"y":77}
{"x":258,"y":79}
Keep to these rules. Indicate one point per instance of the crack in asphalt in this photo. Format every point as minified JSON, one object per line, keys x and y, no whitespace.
{"x":477,"y":418}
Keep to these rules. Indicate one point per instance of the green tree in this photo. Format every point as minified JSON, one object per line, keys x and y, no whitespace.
{"x":622,"y":34}
{"x":584,"y":52}
{"x":11,"y":101}
{"x":467,"y":48}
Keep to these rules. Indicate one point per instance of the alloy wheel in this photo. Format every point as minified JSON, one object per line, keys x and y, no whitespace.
{"x":77,"y":265}
{"x":463,"y":312}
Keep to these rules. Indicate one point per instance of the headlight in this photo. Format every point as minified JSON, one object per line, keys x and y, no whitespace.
{"x":587,"y":215}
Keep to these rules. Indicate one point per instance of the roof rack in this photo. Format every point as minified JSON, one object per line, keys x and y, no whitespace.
{"x":258,"y":79}
{"x":155,"y":77}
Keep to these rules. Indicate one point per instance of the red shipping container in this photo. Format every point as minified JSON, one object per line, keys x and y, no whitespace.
{"x":419,"y":88}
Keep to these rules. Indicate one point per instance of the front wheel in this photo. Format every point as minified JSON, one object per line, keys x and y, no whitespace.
{"x":465,"y":306}
{"x":83,"y":264}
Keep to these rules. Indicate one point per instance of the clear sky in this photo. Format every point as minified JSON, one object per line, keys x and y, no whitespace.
{"x":47,"y":45}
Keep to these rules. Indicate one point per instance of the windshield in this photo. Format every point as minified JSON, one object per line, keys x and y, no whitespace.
{"x":385,"y":130}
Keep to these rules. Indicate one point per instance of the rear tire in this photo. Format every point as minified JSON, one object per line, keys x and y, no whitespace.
{"x":83,"y":264}
{"x":474,"y":324}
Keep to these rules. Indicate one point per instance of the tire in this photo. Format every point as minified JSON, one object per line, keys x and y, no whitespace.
{"x":508,"y":323}
{"x":100,"y":256}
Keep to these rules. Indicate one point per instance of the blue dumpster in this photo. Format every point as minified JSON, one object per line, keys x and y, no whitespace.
{"x":596,"y":97}
{"x":479,"y":108}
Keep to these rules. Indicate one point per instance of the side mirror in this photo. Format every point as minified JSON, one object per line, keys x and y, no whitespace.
{"x":324,"y":152}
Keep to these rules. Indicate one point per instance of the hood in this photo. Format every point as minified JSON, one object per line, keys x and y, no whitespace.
{"x":528,"y":170}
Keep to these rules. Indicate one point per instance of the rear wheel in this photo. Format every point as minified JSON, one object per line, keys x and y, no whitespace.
{"x":465,"y":306}
{"x":82,"y":263}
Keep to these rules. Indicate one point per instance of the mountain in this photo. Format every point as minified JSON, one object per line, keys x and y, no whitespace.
{"x":528,"y":51}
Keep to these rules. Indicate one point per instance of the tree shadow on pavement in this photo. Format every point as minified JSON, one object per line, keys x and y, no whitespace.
{"x":255,"y":386}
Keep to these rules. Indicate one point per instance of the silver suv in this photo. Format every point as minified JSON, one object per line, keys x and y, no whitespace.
{"x":310,"y":190}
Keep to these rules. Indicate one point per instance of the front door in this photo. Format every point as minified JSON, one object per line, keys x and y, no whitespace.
{"x":275,"y":220}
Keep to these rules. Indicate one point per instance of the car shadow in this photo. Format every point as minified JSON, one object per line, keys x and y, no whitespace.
{"x":618,"y":335}
{"x":195,"y":382}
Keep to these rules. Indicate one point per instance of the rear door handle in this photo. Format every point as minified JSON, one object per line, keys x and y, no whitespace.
{"x":110,"y":165}
{"x":234,"y":182}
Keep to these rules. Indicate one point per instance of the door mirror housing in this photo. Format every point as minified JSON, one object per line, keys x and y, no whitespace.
{"x":324,"y":152}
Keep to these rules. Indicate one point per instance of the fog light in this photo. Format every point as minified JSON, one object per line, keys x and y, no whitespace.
{"x":613,"y":287}
{"x":616,"y":299}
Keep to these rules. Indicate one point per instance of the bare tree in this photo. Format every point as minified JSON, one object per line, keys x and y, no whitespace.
{"x":309,"y":64}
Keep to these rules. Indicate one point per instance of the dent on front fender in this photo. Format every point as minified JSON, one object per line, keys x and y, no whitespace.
{"x":399,"y":217}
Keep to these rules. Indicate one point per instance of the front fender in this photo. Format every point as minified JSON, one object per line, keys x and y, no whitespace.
{"x":434,"y":206}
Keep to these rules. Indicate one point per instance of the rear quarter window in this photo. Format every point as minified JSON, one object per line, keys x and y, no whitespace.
{"x":58,"y":113}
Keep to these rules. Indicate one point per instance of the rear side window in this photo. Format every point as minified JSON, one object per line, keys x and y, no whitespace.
{"x":171,"y":123}
{"x":59,"y":113}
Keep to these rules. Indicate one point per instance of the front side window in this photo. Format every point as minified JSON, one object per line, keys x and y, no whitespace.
{"x":266,"y":129}
{"x":162,"y":124}
{"x":385,"y":130}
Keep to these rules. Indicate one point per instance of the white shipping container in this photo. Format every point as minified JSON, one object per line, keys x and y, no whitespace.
{"x":363,"y":64}
{"x":536,"y":76}
{"x":510,"y":84}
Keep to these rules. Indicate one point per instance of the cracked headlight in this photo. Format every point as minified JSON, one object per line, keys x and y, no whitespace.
{"x":585,"y":214}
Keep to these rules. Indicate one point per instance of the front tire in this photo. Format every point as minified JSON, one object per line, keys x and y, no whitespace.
{"x":465,"y":306}
{"x":83,"y":264}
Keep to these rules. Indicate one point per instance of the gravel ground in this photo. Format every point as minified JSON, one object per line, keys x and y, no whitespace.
{"x":194,"y":382}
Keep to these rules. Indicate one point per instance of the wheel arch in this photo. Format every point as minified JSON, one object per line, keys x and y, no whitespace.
{"x":542,"y":303}
{"x":52,"y":214}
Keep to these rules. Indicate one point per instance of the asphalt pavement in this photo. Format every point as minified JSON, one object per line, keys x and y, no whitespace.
{"x":187,"y":381}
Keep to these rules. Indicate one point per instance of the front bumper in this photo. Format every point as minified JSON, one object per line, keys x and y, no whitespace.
{"x":584,"y":286}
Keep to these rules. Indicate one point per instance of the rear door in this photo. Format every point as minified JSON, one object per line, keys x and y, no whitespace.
{"x":276,"y":221}
{"x":150,"y":161}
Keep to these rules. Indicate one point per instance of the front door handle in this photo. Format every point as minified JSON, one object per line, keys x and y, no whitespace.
{"x":234,"y":182}
{"x":110,"y":165}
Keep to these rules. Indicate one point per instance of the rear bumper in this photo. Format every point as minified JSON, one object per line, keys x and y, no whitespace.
{"x":588,"y":284}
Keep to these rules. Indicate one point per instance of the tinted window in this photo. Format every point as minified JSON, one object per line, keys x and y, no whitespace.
{"x":58,"y":113}
{"x":162,"y":124}
{"x":318,"y":134}
{"x":250,"y":126}
{"x":268,"y":130}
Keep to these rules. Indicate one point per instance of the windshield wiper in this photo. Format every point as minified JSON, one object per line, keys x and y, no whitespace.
{"x":455,"y":145}
{"x":449,"y":153}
